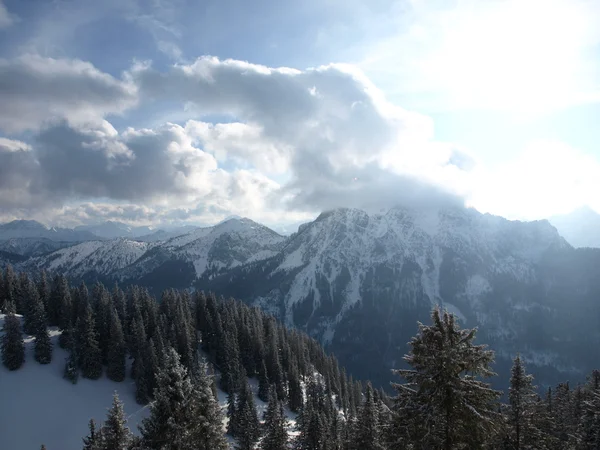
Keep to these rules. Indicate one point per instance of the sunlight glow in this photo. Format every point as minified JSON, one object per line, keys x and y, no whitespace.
{"x":523,"y":56}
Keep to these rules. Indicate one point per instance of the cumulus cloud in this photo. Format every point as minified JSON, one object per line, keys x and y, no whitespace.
{"x":42,"y":90}
{"x":299,"y":142}
{"x":325,"y":126}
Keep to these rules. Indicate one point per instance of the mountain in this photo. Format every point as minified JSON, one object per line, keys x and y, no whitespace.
{"x":581,"y":228}
{"x":111,"y":230}
{"x":91,"y":259}
{"x":174,"y":262}
{"x":31,"y":238}
{"x":163,"y":235}
{"x":32,"y":229}
{"x":359,"y":282}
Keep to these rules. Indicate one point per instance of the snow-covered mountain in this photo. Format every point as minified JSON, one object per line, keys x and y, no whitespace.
{"x":112,"y":230}
{"x":581,"y":228}
{"x":32,"y":229}
{"x":359,"y":282}
{"x":163,"y":235}
{"x":32,"y":246}
{"x":178,"y":260}
{"x":92,"y":258}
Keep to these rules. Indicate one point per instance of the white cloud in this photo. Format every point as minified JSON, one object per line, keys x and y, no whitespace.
{"x":6,"y":19}
{"x":43,"y":90}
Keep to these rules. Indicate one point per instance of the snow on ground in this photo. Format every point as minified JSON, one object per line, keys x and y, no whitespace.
{"x":38,"y":406}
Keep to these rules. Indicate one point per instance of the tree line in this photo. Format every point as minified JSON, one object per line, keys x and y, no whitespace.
{"x":183,"y":347}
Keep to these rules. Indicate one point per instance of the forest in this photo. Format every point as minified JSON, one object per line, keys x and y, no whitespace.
{"x":181,"y":348}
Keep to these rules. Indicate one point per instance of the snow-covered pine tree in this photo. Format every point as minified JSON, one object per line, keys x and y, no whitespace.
{"x":177,"y":416}
{"x":444,"y":404}
{"x":246,"y":418}
{"x":367,"y":434}
{"x":115,"y":435}
{"x":521,"y":408}
{"x":33,"y":309}
{"x":13,"y":347}
{"x":87,"y":345}
{"x":43,"y":344}
{"x":92,"y":440}
{"x":209,"y":420}
{"x":263,"y":383}
{"x":275,"y":426}
{"x":117,"y":350}
{"x":8,"y":291}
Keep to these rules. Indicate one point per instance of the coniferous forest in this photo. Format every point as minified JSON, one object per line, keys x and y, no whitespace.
{"x":181,"y":348}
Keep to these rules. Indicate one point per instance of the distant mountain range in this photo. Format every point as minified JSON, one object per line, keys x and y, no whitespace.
{"x":359,"y":282}
{"x":581,"y":228}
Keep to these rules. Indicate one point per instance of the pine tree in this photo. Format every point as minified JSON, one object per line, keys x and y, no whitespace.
{"x":275,"y":434}
{"x":183,"y":415}
{"x":246,"y":418}
{"x":43,"y":344}
{"x":71,"y":371}
{"x":263,"y":383}
{"x":9,"y":288}
{"x":521,"y":396}
{"x":208,"y":417}
{"x":13,"y":347}
{"x":87,"y":346}
{"x":312,"y":422}
{"x":368,"y":434}
{"x":443,"y":404}
{"x":33,"y":310}
{"x":117,"y":350}
{"x":115,"y":434}
{"x":92,"y":440}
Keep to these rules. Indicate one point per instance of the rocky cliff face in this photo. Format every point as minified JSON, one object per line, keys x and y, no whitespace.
{"x":359,"y":282}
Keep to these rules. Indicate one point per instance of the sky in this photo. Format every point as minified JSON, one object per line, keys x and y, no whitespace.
{"x":157,"y":112}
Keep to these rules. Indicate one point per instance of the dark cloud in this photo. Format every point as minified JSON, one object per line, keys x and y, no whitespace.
{"x":36,"y":90}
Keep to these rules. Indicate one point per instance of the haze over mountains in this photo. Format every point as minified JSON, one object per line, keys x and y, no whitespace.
{"x":359,"y":281}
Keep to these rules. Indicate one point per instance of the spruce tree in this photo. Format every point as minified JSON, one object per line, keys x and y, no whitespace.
{"x":87,"y":346}
{"x":521,"y":397}
{"x":71,"y":371}
{"x":368,"y":434}
{"x":115,"y":435}
{"x":275,"y":426}
{"x":184,"y":414}
{"x":43,"y":344}
{"x":209,"y":420}
{"x":117,"y":350}
{"x":444,"y":404}
{"x":246,"y":419}
{"x":263,"y":383}
{"x":13,"y":346}
{"x":92,"y":440}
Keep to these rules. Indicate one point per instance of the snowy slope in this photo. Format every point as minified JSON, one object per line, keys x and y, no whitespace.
{"x":359,"y":282}
{"x":99,"y":257}
{"x":31,"y":246}
{"x":40,"y":407}
{"x":112,"y":230}
{"x":228,"y":244}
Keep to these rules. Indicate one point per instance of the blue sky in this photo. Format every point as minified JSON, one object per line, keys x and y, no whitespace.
{"x":303,"y":106}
